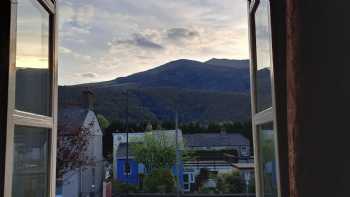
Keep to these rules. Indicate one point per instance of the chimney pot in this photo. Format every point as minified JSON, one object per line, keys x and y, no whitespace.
{"x":88,"y":99}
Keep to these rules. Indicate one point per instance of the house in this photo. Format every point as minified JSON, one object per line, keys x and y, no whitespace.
{"x":87,"y":178}
{"x":217,"y":153}
{"x":136,"y":170}
{"x":246,"y":171}
{"x":237,"y":143}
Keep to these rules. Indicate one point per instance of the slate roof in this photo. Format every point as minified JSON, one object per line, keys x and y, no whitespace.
{"x":214,"y":139}
{"x":121,"y":153}
{"x":71,"y":118}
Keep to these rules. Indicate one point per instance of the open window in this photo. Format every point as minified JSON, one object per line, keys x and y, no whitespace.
{"x":32,"y":100}
{"x":263,"y":100}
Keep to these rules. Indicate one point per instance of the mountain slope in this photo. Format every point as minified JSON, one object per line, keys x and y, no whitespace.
{"x":188,"y":74}
{"x":200,"y":91}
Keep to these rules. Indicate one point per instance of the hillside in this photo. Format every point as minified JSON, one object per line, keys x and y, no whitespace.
{"x":200,"y":91}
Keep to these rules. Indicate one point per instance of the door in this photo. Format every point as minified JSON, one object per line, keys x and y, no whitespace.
{"x":263,"y":100}
{"x":32,"y":100}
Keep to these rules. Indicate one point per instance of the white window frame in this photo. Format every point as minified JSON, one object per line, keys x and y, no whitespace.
{"x":21,"y":118}
{"x":267,"y":115}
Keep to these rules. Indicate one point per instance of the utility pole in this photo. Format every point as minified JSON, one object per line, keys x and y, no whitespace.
{"x":127,"y":165}
{"x":177,"y":167}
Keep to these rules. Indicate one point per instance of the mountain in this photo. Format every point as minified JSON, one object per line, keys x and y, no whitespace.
{"x":216,"y":90}
{"x":188,"y":74}
{"x":229,"y":63}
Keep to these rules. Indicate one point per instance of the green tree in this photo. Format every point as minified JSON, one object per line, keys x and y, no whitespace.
{"x":160,"y":180}
{"x":155,"y":153}
{"x":158,"y":155}
{"x":214,"y":127}
{"x":104,"y":123}
{"x":231,"y":183}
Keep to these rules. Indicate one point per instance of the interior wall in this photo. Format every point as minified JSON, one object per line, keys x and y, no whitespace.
{"x":318,"y":97}
{"x":278,"y":10}
{"x":4,"y":65}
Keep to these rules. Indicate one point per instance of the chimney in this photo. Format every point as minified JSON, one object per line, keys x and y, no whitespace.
{"x":223,"y":131}
{"x":88,"y":99}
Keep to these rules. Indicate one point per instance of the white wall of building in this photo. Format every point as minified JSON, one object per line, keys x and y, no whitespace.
{"x":71,"y":184}
{"x":90,"y":176}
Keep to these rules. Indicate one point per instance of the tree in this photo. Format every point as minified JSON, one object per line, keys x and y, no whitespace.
{"x":104,"y":123}
{"x":231,"y":183}
{"x":71,"y":146}
{"x":155,"y":153}
{"x":201,"y":179}
{"x":158,"y":155}
{"x":160,"y":180}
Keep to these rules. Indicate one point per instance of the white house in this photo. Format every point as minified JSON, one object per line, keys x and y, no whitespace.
{"x":218,"y":153}
{"x":87,"y":179}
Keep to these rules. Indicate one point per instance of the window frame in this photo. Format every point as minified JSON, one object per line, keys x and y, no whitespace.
{"x":20,"y":118}
{"x":268,"y":115}
{"x":124,"y":169}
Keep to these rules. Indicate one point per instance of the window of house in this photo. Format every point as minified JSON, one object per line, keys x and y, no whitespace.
{"x":31,"y":132}
{"x":262,"y":99}
{"x":244,"y":151}
{"x":127,"y":168}
{"x":186,"y":182}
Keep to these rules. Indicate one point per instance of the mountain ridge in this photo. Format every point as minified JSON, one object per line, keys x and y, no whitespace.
{"x":206,"y":91}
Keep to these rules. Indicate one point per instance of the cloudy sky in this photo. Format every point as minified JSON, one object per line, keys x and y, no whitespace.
{"x":104,"y":39}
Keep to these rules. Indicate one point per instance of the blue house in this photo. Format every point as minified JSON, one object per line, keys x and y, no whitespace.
{"x":131,"y":176}
{"x":132,"y":173}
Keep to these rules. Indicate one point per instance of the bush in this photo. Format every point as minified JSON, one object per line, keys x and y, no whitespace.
{"x":231,"y":183}
{"x":160,"y":180}
{"x":120,"y":187}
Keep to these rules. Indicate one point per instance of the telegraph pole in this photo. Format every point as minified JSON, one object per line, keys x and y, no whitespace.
{"x":177,"y":167}
{"x":127,"y":165}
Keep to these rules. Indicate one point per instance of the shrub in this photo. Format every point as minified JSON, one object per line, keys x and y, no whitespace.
{"x":120,"y":187}
{"x":231,"y":183}
{"x":160,"y":180}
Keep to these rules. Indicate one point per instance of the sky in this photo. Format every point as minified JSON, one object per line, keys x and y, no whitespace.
{"x":32,"y":36}
{"x":101,"y":40}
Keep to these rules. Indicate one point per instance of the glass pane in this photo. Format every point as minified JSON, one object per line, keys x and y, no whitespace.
{"x":263,"y":53}
{"x":32,"y":58}
{"x":268,"y":159}
{"x":30,"y":167}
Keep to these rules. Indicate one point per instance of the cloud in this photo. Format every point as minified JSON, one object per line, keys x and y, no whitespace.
{"x":64,"y":50}
{"x":89,"y":75}
{"x":141,"y":41}
{"x":105,"y":39}
{"x":84,"y":15}
{"x":181,"y":34}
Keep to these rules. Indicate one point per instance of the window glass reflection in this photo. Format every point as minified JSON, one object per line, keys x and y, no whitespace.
{"x":30,"y":166}
{"x":263,"y":55}
{"x":268,"y":159}
{"x":32,"y":58}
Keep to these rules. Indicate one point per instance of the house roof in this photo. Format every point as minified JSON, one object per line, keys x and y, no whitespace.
{"x":71,"y":118}
{"x":121,"y":153}
{"x":243,"y":165}
{"x":214,"y":139}
{"x":169,"y":135}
